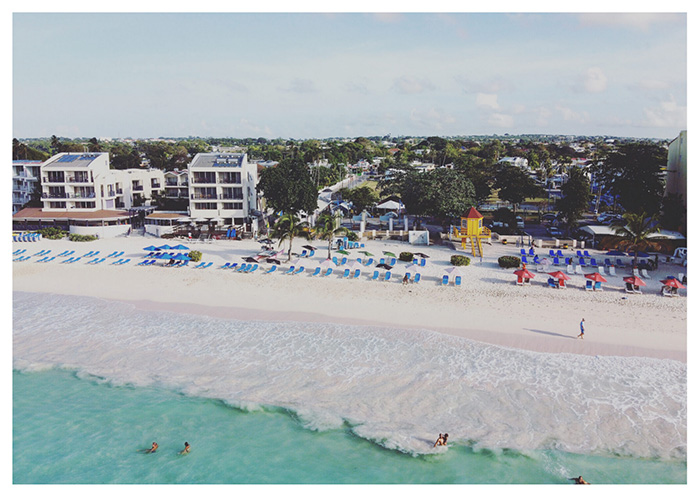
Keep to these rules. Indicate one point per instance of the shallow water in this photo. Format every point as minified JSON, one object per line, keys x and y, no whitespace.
{"x":72,"y":429}
{"x":353,"y":404}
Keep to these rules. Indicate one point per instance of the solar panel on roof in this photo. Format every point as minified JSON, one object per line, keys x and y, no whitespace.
{"x":67,"y":158}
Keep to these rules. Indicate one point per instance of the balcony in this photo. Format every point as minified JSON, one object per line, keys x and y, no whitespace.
{"x":200,"y":196}
{"x":155,"y":185}
{"x":138,"y":188}
{"x":229,"y":196}
{"x":120,"y":191}
{"x":46,"y":195}
{"x":53,"y":179}
{"x":78,"y":179}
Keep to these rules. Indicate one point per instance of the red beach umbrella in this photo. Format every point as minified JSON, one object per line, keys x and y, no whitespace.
{"x":672,"y":282}
{"x":523,"y":273}
{"x":558,"y":275}
{"x":597,"y":277}
{"x":634,"y":280}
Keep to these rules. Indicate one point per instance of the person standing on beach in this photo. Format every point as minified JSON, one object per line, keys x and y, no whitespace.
{"x":580,"y":335}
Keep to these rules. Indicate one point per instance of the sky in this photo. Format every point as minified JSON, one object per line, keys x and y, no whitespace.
{"x":319,"y":75}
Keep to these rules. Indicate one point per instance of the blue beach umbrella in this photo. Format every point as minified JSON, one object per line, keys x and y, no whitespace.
{"x":165,"y":247}
{"x":163,"y":256}
{"x":615,"y":252}
{"x":151,"y":248}
{"x":181,"y":257}
{"x":179,"y":247}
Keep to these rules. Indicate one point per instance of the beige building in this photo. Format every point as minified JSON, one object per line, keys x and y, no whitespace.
{"x":677,"y":167}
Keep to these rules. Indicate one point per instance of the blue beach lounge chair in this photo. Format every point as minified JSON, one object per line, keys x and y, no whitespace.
{"x":328,"y":272}
{"x":356,"y":274}
{"x":445,"y":280}
{"x":387,"y":276}
{"x":317,"y":271}
{"x":271,"y":270}
{"x":346,"y":273}
{"x":589,"y":285}
{"x":416,"y":278}
{"x":290,"y":270}
{"x":458,"y":280}
{"x":375,"y":275}
{"x":299,"y":271}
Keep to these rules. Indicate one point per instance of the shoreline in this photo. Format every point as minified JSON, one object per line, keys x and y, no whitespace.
{"x":488,"y":308}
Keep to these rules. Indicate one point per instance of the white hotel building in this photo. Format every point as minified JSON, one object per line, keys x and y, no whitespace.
{"x":222,"y":187}
{"x":25,"y":178}
{"x":84,"y":182}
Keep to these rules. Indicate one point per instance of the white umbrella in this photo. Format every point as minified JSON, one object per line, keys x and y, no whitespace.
{"x":412,"y":268}
{"x":200,"y":220}
{"x":183,"y":220}
{"x":389,"y":205}
{"x":295,"y":262}
{"x":355,"y":265}
{"x":453,"y":271}
{"x":327,"y":263}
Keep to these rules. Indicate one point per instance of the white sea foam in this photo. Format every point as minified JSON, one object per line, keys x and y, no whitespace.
{"x":398,"y":388}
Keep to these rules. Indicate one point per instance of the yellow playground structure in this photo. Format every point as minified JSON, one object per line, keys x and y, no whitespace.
{"x":471,"y":227}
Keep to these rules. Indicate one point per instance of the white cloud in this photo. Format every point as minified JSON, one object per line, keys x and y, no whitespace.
{"x":488,"y":100}
{"x":501,"y":120}
{"x":300,"y":85}
{"x":593,"y":80}
{"x":408,"y":85}
{"x":569,"y":114}
{"x":667,"y":115}
{"x":431,"y":118}
{"x":493,"y":85}
{"x":636,"y":21}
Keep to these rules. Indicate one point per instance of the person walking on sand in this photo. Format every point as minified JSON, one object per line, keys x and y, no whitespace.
{"x":580,"y":335}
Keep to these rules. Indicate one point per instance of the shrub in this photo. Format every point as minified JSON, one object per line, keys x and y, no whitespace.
{"x":52,"y":233}
{"x":406,"y":256}
{"x":195,"y":255}
{"x":508,"y":261}
{"x":460,"y":260}
{"x":81,"y":238}
{"x":352,"y":236}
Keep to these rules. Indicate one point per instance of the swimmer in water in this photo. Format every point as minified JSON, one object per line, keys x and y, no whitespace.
{"x":154,"y":447}
{"x":442,"y":440}
{"x":579,"y":481}
{"x":186,"y":450}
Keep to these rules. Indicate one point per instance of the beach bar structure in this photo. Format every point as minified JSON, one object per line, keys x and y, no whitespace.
{"x":101,"y":223}
{"x":471,"y":228}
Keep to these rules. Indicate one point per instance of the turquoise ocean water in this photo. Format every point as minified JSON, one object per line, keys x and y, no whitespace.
{"x":95,"y":381}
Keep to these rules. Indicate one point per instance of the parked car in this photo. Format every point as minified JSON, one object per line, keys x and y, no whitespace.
{"x":554,"y":231}
{"x":519,"y":222}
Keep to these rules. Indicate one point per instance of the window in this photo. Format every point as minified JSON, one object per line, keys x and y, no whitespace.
{"x":205,"y":205}
{"x":230,"y":206}
{"x":57,"y":205}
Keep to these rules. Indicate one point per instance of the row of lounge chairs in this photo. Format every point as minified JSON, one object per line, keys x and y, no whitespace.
{"x":26,"y":237}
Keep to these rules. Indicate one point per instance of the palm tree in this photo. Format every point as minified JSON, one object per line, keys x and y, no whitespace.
{"x":287,"y":227}
{"x":636,"y":231}
{"x":326,"y":230}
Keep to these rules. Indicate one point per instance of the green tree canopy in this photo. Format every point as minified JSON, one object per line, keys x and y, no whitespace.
{"x":633,"y":172}
{"x":515,"y":185}
{"x":444,"y":193}
{"x":288,"y":187}
{"x":576,"y":194}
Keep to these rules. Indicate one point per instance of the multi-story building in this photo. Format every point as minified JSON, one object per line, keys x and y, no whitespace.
{"x":176,"y":184}
{"x":25,"y":179}
{"x":84,"y":181}
{"x":677,"y":167}
{"x":222,"y":187}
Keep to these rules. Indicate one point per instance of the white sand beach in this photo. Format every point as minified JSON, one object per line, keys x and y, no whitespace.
{"x":488,"y":306}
